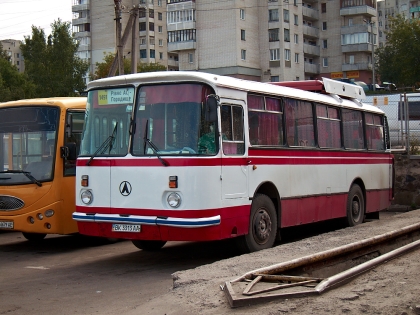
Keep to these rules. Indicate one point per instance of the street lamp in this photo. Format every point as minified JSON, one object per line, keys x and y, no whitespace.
{"x":373,"y":50}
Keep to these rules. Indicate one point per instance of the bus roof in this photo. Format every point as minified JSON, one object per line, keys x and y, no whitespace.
{"x":219,"y":81}
{"x":67,"y":102}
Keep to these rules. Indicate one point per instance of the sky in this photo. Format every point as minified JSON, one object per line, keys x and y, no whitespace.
{"x":18,"y":16}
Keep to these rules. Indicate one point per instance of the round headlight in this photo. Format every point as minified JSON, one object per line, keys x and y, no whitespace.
{"x":86,"y":197}
{"x":174,"y":200}
{"x":49,"y":213}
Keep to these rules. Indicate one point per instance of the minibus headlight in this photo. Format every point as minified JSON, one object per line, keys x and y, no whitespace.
{"x":49,"y":213}
{"x":174,"y":200}
{"x":86,"y":196}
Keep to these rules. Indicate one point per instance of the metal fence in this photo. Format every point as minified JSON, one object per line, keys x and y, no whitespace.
{"x":403,"y":113}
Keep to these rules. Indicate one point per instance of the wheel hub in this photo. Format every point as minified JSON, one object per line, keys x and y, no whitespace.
{"x":262,"y":226}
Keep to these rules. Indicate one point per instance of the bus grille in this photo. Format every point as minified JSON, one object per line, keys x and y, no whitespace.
{"x":8,"y":203}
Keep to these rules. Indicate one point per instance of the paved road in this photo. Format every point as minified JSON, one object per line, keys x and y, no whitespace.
{"x":79,"y":275}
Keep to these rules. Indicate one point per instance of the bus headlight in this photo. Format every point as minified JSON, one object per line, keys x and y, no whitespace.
{"x":174,"y":200}
{"x":86,"y":196}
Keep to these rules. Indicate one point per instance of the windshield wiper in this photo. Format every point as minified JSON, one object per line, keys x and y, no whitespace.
{"x":27,"y":174}
{"x":108,"y":144}
{"x":152,"y":145}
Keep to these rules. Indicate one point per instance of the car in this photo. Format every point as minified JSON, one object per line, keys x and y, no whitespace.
{"x":362,"y":84}
{"x":389,"y":86}
{"x":378,"y":87}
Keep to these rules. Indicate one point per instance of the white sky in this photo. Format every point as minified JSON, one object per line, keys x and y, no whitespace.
{"x":17,"y":16}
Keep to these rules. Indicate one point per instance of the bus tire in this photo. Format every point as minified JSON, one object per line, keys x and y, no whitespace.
{"x":34,"y":237}
{"x":355,"y":206}
{"x":262,"y":228}
{"x":148,"y":245}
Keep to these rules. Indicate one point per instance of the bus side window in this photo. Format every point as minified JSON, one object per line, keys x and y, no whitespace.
{"x":73,"y":140}
{"x":299,"y":123}
{"x":232,"y":130}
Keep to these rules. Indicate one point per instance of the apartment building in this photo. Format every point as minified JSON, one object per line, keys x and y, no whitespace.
{"x":388,"y":9}
{"x":12,"y":47}
{"x":262,"y":40}
{"x":94,"y":26}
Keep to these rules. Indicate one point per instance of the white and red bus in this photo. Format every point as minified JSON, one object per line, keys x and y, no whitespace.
{"x":190,"y":156}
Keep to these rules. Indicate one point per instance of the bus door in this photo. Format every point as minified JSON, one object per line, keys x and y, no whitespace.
{"x":234,"y":167}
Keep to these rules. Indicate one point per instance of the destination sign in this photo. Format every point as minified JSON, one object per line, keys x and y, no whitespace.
{"x":116,"y":96}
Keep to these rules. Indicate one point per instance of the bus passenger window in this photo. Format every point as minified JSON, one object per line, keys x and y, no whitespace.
{"x":299,"y":123}
{"x":374,"y":132}
{"x":352,"y":129}
{"x":329,"y":134}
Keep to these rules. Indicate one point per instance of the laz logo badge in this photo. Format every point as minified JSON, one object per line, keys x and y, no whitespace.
{"x":125,"y":188}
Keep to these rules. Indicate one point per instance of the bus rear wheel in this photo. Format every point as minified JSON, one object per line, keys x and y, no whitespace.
{"x":34,"y":237}
{"x":262,"y":228}
{"x":148,"y":245}
{"x":355,"y":206}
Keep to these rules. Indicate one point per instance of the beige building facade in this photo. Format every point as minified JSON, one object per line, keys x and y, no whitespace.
{"x":12,"y":47}
{"x":265,"y":41}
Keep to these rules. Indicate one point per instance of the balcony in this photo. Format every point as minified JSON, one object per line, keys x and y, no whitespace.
{"x":80,"y":7}
{"x":181,"y":26}
{"x":79,"y":21}
{"x":311,"y":68}
{"x":81,"y":34}
{"x":358,"y":10}
{"x":309,"y":31}
{"x":365,"y":47}
{"x":414,"y":9}
{"x":177,"y":46}
{"x":173,"y":63}
{"x":310,"y":13}
{"x":310,"y":50}
{"x":356,"y":66}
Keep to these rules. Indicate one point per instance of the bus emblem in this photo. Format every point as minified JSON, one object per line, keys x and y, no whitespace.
{"x":125,"y":188}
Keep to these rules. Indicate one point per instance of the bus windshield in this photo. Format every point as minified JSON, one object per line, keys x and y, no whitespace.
{"x":168,"y":119}
{"x":28,"y":144}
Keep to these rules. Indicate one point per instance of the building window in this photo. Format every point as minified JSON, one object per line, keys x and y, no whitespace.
{"x":152,"y":53}
{"x":350,"y":22}
{"x":295,"y":2}
{"x":325,"y":44}
{"x":296,"y":19}
{"x":190,"y":58}
{"x":142,"y":26}
{"x":324,"y":26}
{"x":325,"y":62}
{"x":351,"y":59}
{"x":180,"y":16}
{"x":273,"y":15}
{"x":242,"y":34}
{"x":287,"y":54}
{"x":161,"y":55}
{"x":160,"y":29}
{"x":274,"y":54}
{"x":274,"y":78}
{"x":143,"y":53}
{"x":160,"y":42}
{"x":160,"y":16}
{"x":181,"y":36}
{"x":243,"y":54}
{"x":286,"y":35}
{"x":273,"y":35}
{"x":286,"y":15}
{"x":323,"y":7}
{"x":296,"y":58}
{"x":296,"y":38}
{"x":160,"y":3}
{"x":242,"y":14}
{"x":142,"y":40}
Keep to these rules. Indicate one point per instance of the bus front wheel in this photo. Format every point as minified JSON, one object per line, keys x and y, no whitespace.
{"x":355,"y":206}
{"x":148,"y":245}
{"x":262,"y":228}
{"x":33,"y":237}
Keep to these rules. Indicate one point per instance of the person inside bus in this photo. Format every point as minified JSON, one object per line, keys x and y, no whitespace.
{"x":207,"y":142}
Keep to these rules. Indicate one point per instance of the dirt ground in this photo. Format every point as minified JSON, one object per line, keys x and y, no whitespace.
{"x":391,"y":288}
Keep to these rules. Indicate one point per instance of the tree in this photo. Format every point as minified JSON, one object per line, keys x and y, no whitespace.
{"x":52,"y":64}
{"x":398,"y":60}
{"x":13,"y":85}
{"x":102,"y":68}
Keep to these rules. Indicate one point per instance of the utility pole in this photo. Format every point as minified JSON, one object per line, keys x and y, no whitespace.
{"x":118,"y":29}
{"x":134,"y":39}
{"x":372,"y":37}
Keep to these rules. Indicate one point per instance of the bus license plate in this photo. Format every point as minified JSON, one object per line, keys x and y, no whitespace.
{"x":126,"y":228}
{"x":6,"y":225}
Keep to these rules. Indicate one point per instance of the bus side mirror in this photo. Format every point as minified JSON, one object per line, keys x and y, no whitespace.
{"x":69,"y":151}
{"x":69,"y":126}
{"x":211,"y":108}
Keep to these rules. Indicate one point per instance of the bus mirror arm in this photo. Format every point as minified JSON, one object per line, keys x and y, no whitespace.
{"x":68,"y":151}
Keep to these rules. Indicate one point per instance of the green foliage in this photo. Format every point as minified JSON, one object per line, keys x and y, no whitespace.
{"x":13,"y":85}
{"x":102,"y":68}
{"x":52,"y":64}
{"x":398,"y":61}
{"x":414,"y":146}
